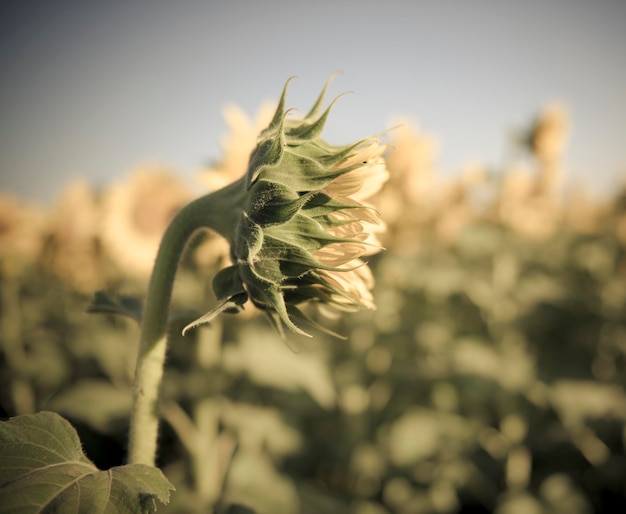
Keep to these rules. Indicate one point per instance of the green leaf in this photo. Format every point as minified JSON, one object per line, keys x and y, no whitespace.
{"x":300,"y":173}
{"x":267,"y":154}
{"x":317,"y":106}
{"x":249,"y":238}
{"x":227,"y":283}
{"x":231,"y":305}
{"x":305,"y":233}
{"x":279,"y":114}
{"x":296,"y":313}
{"x":322,"y":205}
{"x":128,"y":306}
{"x":310,"y":130}
{"x":43,"y":470}
{"x":332,"y":155}
{"x":268,"y":296}
{"x":272,"y":203}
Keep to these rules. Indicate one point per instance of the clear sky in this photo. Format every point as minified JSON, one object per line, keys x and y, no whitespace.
{"x":94,"y":88}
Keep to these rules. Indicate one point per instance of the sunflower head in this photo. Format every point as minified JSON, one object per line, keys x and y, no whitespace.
{"x":302,"y":224}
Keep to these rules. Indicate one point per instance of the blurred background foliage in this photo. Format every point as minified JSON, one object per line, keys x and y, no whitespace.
{"x":489,"y":379}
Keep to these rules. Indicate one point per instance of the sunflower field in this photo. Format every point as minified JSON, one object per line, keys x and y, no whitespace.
{"x":489,"y":378}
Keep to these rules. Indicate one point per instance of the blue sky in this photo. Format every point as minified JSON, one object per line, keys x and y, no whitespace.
{"x":94,"y":88}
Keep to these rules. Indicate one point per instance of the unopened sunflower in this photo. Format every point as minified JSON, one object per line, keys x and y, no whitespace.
{"x":298,"y":222}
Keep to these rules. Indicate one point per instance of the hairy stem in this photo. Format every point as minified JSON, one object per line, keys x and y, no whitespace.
{"x":217,"y":211}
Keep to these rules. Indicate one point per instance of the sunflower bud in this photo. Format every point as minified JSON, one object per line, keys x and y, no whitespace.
{"x":302,"y":224}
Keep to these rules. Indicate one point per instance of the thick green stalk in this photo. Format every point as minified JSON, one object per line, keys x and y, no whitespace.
{"x":219,"y":212}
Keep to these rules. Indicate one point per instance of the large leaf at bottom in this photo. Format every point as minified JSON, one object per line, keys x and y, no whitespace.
{"x":43,"y":469}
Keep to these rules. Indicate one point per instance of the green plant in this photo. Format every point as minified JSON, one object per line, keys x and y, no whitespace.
{"x":296,"y":224}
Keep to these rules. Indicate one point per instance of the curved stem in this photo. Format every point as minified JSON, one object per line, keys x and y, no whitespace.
{"x":217,"y":211}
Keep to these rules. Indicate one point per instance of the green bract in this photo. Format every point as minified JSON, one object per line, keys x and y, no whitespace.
{"x":292,"y":224}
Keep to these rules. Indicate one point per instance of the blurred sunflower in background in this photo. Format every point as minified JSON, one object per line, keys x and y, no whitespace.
{"x":73,"y":247}
{"x":135,"y":214}
{"x":21,"y":234}
{"x":237,"y":145}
